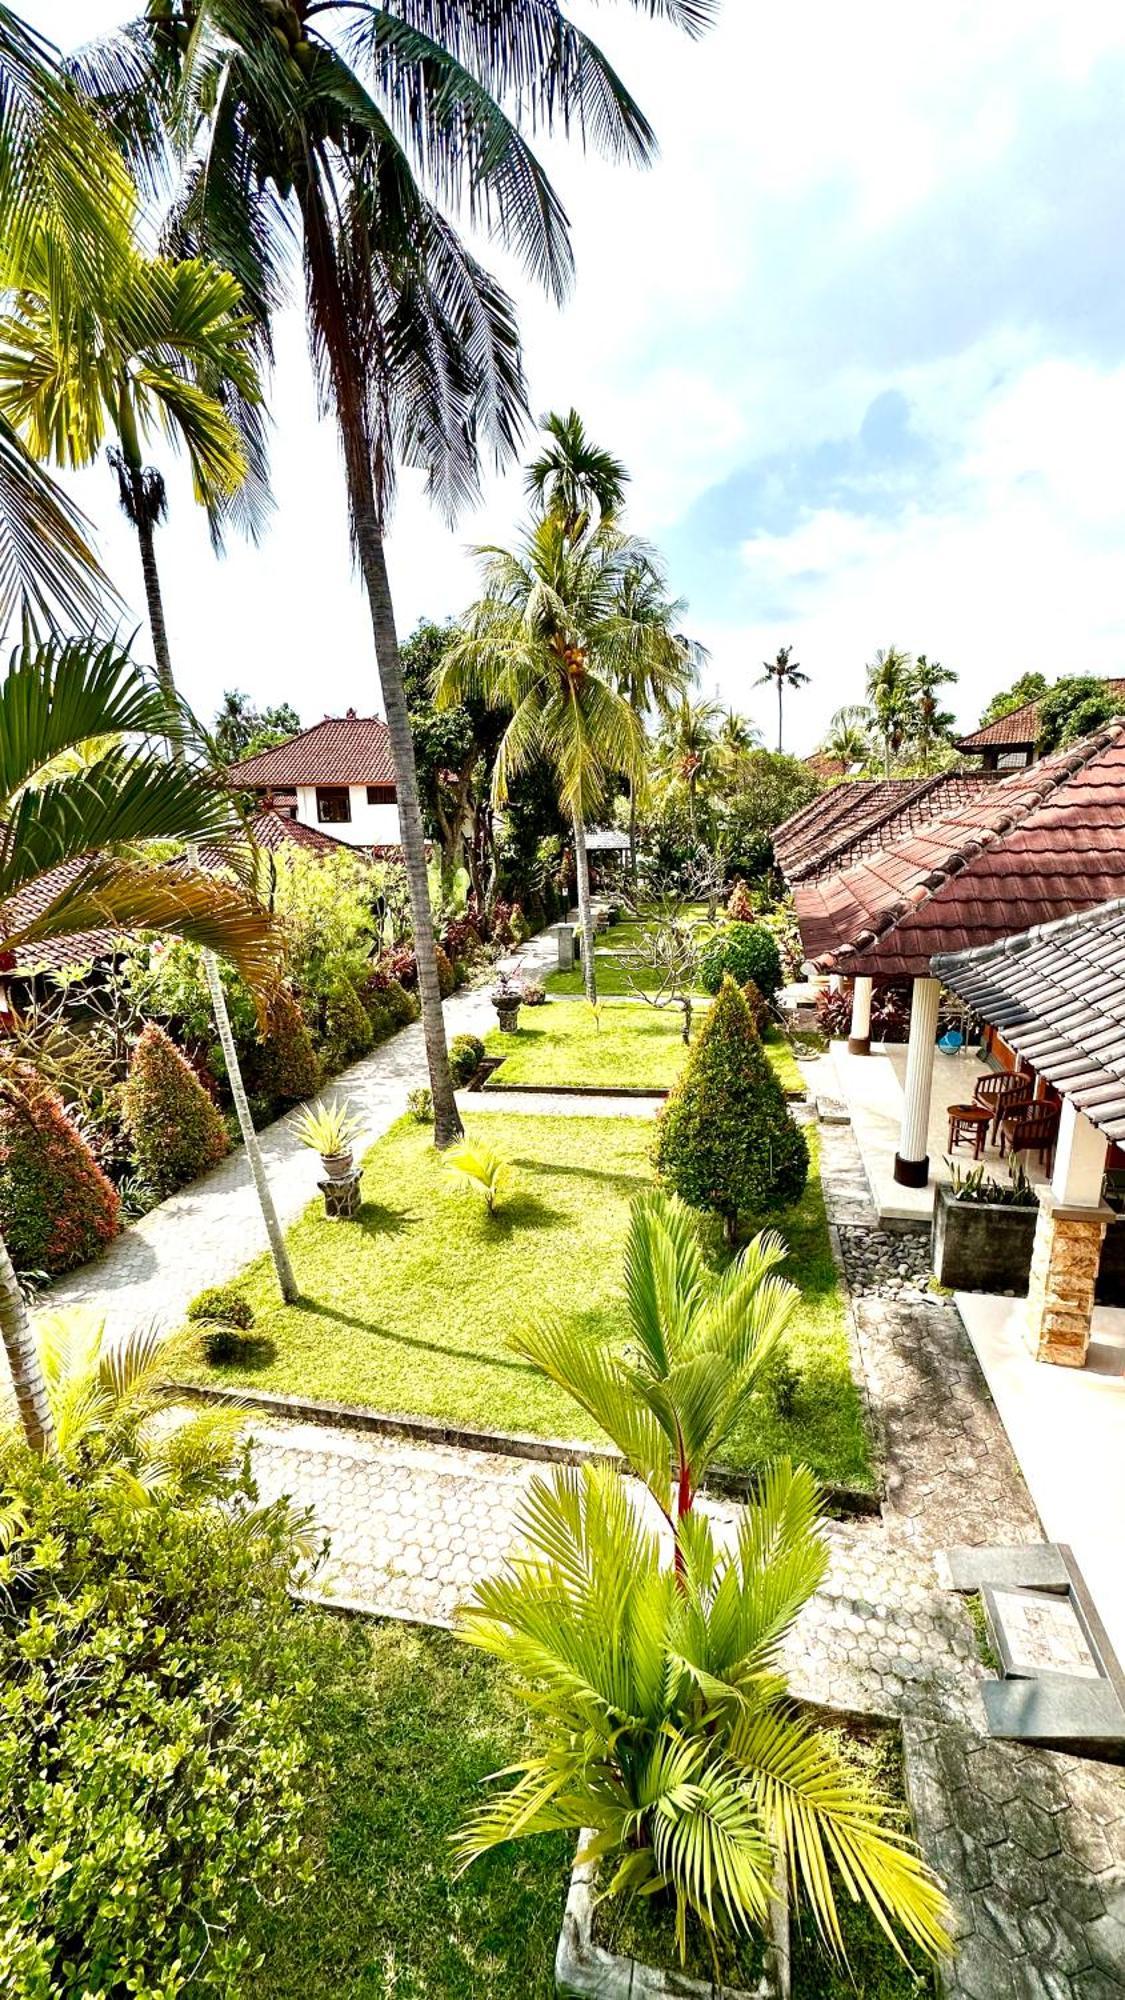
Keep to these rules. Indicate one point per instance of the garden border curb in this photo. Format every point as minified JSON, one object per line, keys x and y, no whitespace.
{"x":723,"y":1481}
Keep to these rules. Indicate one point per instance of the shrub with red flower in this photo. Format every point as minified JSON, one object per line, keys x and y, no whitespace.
{"x":176,"y":1132}
{"x":57,"y":1207}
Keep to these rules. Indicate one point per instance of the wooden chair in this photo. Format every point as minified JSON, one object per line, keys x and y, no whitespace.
{"x":1031,"y":1128}
{"x":1002,"y":1092}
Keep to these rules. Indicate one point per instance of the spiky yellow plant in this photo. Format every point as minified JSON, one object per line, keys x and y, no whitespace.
{"x":481,"y":1167}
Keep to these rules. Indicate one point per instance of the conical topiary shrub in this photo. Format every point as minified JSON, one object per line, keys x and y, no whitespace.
{"x":57,"y":1208}
{"x":726,"y":1139}
{"x":283,"y":1066}
{"x":175,"y":1130}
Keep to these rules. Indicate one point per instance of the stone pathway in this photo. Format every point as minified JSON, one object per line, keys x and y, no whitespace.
{"x":1034,"y":1844}
{"x":412,"y":1528}
{"x":208,"y":1232}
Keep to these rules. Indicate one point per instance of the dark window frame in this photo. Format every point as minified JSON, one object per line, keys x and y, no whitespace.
{"x":337,"y":794}
{"x":381,"y":795}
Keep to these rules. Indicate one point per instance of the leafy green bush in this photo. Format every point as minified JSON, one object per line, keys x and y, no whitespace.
{"x":57,"y":1207}
{"x":152,"y":1742}
{"x":175,"y":1130}
{"x":401,"y":1005}
{"x":347,"y":1033}
{"x":284,"y":1067}
{"x":444,"y":972}
{"x":726,"y":1140}
{"x":222,"y":1305}
{"x":1075,"y":707}
{"x":466,"y":1053}
{"x":383,"y":1023}
{"x":746,"y":951}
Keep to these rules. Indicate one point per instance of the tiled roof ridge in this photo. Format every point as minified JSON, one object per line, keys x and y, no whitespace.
{"x":861,"y":829}
{"x":1057,"y":770}
{"x":301,"y":736}
{"x":1023,"y":941}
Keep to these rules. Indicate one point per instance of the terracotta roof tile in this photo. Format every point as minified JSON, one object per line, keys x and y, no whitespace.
{"x":1018,"y":730}
{"x":1057,"y":995}
{"x":342,"y":750}
{"x":56,"y":954}
{"x":1039,"y":845}
{"x":887,"y":820}
{"x":803,"y":835}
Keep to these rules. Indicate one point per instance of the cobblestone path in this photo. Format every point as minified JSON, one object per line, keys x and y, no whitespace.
{"x":413,"y":1527}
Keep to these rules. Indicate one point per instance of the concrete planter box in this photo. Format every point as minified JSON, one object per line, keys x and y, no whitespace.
{"x":981,"y":1246}
{"x":585,"y":1970}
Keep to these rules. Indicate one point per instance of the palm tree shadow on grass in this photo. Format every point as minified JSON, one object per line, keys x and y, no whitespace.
{"x":395,"y":1338}
{"x":629,"y":1180}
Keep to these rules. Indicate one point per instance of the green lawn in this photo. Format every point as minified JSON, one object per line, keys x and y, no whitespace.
{"x":407,"y":1724}
{"x":628,"y":1046}
{"x":615,"y":977}
{"x":409,"y":1309}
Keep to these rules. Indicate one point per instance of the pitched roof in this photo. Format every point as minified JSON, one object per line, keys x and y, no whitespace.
{"x":823,"y":766}
{"x":887,"y":820}
{"x":1041,"y":844}
{"x":802,"y":835}
{"x":55,"y":954}
{"x":1057,"y":995}
{"x":346,"y":749}
{"x":1017,"y":731}
{"x":274,"y":832}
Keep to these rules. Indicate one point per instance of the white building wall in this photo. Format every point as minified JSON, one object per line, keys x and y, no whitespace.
{"x":369,"y":826}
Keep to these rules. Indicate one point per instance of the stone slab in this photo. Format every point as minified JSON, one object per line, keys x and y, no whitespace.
{"x":1040,"y":1632}
{"x":1030,"y":1565}
{"x":1064,"y":1714}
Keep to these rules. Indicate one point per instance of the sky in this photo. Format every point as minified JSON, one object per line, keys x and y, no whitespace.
{"x":859,"y":336}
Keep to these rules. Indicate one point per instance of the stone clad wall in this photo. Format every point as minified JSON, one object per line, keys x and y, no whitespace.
{"x":1064,"y":1273}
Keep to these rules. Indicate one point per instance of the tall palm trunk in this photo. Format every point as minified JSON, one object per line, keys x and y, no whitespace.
{"x":284,"y":1269}
{"x":373,"y":564}
{"x":779,"y":692}
{"x":633,"y":832}
{"x":24,"y":1364}
{"x":585,"y":913}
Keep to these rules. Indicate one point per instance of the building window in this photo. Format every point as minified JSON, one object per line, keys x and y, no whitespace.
{"x":380,"y":795}
{"x":333,"y":805}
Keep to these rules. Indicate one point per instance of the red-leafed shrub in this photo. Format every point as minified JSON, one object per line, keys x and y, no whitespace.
{"x":508,"y":925}
{"x":740,"y":904}
{"x":177,"y":1133}
{"x":57,"y":1208}
{"x":460,"y":938}
{"x":398,"y":964}
{"x":890,"y":1014}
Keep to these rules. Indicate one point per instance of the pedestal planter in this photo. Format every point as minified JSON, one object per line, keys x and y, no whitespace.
{"x":341,"y":1196}
{"x":981,"y":1246}
{"x":585,"y":1970}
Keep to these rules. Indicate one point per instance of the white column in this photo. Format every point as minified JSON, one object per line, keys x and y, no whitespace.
{"x":912,"y":1161}
{"x":859,"y":1039}
{"x":834,"y":982}
{"x":1079,"y":1160}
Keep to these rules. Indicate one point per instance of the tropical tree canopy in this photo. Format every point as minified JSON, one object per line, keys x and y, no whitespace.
{"x":573,"y":476}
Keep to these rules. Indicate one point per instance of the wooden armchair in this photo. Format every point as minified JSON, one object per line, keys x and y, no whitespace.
{"x":1002,"y":1092}
{"x":1031,"y":1128}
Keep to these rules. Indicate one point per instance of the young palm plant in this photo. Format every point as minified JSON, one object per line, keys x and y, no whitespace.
{"x":698,"y":1343}
{"x":669,"y":1740}
{"x":352,"y":129}
{"x":72,"y":856}
{"x":148,"y":342}
{"x":543,"y":643}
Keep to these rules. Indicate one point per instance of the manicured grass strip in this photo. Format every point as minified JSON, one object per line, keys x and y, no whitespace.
{"x":616,"y":976}
{"x":408,"y":1724}
{"x":627,"y":1046}
{"x":410,"y":1308}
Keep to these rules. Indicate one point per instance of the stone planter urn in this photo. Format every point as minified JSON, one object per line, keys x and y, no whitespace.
{"x":337,"y":1166}
{"x":507,"y":1000}
{"x":585,"y":1970}
{"x":981,"y":1246}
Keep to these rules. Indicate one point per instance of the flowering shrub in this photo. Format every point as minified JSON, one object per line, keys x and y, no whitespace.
{"x":176,"y":1132}
{"x":57,"y":1207}
{"x":534,"y":995}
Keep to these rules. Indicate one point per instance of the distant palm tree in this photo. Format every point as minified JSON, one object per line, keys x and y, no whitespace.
{"x":931,"y":724}
{"x":687,"y":750}
{"x":573,"y":476}
{"x":546,"y":642}
{"x":888,"y":692}
{"x":351,"y":131}
{"x":784,"y":672}
{"x":653,"y":663}
{"x":736,"y":739}
{"x":149,"y":342}
{"x":849,"y":737}
{"x":70,"y":860}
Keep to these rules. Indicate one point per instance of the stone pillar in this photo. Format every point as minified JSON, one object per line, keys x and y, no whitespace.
{"x":859,"y":1039}
{"x":564,"y":940}
{"x":912,"y":1161}
{"x":1069,"y":1234}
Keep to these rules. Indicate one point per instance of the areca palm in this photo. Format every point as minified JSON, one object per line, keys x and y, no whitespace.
{"x":782,"y":672}
{"x":931,"y":723}
{"x":698,"y":1343}
{"x":888,"y":693}
{"x":148,"y":344}
{"x":545,"y":642}
{"x":72,"y":855}
{"x":848,"y":737}
{"x":668,"y":1733}
{"x":353,"y":127}
{"x":59,"y":176}
{"x":655,"y":664}
{"x":573,"y":476}
{"x":687,"y":751}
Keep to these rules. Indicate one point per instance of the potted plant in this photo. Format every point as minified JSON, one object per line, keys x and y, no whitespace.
{"x":330,"y":1130}
{"x":507,"y":998}
{"x":983,"y":1231}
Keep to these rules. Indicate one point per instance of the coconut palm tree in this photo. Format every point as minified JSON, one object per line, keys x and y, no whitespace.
{"x":70,"y":860}
{"x":546,"y":641}
{"x":888,"y":693}
{"x":687,"y":751}
{"x":782,"y":672}
{"x":58,"y":174}
{"x":931,"y":724}
{"x":351,"y":128}
{"x":849,"y":737}
{"x":573,"y":476}
{"x":149,"y":343}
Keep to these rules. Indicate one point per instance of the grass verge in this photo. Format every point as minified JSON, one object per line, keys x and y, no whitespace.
{"x":626,"y":1046}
